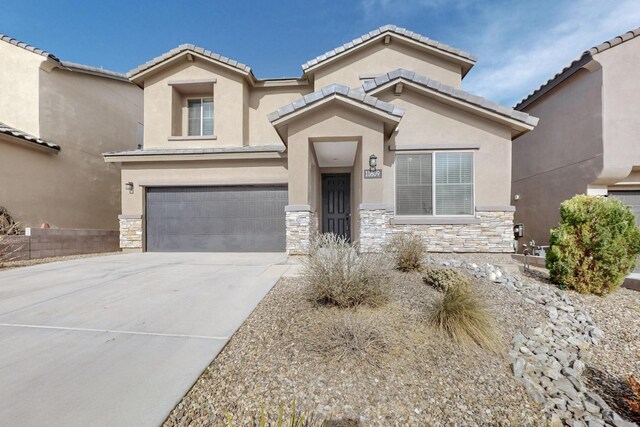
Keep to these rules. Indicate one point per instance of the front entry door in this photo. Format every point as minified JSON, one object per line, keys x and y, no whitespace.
{"x":336,"y":204}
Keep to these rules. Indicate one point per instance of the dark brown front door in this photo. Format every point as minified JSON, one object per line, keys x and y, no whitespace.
{"x":336,"y":204}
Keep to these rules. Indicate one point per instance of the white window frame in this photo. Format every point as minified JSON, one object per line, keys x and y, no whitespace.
{"x":433,"y":180}
{"x":201,"y":99}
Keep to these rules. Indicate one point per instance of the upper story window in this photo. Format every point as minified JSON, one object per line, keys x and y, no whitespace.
{"x":439,"y":183}
{"x":200,"y":116}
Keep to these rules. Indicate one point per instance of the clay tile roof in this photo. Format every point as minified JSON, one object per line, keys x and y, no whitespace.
{"x":388,"y":29}
{"x":335,"y":90}
{"x":575,"y":66}
{"x":449,"y":91}
{"x":30,"y":48}
{"x":189,"y":47}
{"x":8,"y":130}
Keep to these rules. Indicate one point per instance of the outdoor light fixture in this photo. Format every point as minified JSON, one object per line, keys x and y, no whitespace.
{"x":373,"y":162}
{"x":129,"y":186}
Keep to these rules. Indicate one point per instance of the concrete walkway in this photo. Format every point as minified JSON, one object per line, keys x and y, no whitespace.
{"x":118,"y":340}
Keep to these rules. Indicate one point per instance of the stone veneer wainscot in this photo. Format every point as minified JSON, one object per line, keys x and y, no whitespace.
{"x":130,"y":231}
{"x":490,"y":230}
{"x":302,"y":225}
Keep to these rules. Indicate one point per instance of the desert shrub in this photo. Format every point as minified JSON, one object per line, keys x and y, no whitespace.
{"x":407,"y":250}
{"x":461,"y":315}
{"x":634,"y":402}
{"x":338,"y":275}
{"x":443,"y":278}
{"x":595,"y":245}
{"x":293,"y":419}
{"x":350,"y":335}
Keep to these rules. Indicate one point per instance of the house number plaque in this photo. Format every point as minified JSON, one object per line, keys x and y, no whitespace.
{"x":369,"y":174}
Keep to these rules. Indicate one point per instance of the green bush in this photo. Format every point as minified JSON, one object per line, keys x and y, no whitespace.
{"x":462,"y":315}
{"x":338,"y":275}
{"x":595,"y":245}
{"x":444,"y":278}
{"x":407,"y":250}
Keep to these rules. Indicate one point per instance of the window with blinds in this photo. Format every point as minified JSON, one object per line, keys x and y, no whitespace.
{"x":200,"y":117}
{"x":434,"y":184}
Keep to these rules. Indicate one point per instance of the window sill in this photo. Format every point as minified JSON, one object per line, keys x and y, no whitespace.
{"x":424,"y":220}
{"x":193,"y":138}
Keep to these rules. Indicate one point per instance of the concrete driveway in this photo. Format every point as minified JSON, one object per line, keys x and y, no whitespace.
{"x":118,"y":340}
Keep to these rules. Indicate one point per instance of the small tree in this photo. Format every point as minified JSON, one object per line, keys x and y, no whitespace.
{"x":595,"y":245}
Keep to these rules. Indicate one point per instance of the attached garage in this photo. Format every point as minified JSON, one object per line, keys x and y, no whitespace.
{"x":631,"y":199}
{"x":216,"y":219}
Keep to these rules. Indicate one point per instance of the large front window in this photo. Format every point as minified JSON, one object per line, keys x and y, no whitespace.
{"x":200,"y":116}
{"x":434,"y":184}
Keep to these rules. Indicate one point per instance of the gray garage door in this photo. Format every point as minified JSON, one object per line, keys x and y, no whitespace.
{"x":216,"y":219}
{"x":631,"y":199}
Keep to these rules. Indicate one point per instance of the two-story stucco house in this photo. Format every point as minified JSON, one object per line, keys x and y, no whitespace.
{"x":376,"y":136}
{"x":587,"y":141}
{"x":56,"y":120}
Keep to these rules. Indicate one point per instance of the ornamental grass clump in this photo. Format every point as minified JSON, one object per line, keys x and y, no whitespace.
{"x":595,"y":245}
{"x":443,"y":278}
{"x":461,"y":315}
{"x":293,"y":419}
{"x":338,"y":275}
{"x":407,"y":250}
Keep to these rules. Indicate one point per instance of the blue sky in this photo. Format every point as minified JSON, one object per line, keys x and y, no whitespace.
{"x":520,"y":44}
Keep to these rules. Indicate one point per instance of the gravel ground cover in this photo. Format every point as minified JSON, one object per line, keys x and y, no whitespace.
{"x":618,"y":354}
{"x":25,"y":263}
{"x":409,"y":376}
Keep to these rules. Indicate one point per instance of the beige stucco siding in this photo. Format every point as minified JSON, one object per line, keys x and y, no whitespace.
{"x":621,"y":125}
{"x":263,"y":101}
{"x":19,"y":79}
{"x":377,"y":59}
{"x":194,"y":173}
{"x":561,"y":156}
{"x":427,"y":121}
{"x":87,"y":116}
{"x":161,"y":116}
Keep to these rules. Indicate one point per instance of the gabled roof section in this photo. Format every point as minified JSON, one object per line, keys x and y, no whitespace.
{"x":333,"y":91}
{"x":30,"y":48}
{"x":216,"y":57}
{"x":393,"y":30}
{"x":449,"y":92}
{"x":577,"y":64}
{"x":8,"y":130}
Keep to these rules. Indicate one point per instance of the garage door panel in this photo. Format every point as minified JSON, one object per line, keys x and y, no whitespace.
{"x":237,"y":219}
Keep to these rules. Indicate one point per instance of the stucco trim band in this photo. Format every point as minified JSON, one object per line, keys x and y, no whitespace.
{"x":420,"y":147}
{"x":297,"y":208}
{"x":495,"y":208}
{"x":130,"y":216}
{"x":211,"y":183}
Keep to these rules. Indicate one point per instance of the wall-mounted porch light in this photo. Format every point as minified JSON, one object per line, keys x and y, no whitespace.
{"x":129,"y":187}
{"x":373,"y":162}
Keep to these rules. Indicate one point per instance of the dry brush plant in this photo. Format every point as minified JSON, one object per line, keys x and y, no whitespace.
{"x":407,"y":250}
{"x":294,"y":419}
{"x":634,"y":402}
{"x":350,"y":335}
{"x":338,"y":275}
{"x":8,"y":227}
{"x":442,"y":278}
{"x":461,"y":315}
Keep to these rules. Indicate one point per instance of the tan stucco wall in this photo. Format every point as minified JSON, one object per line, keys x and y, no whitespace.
{"x":621,"y":121}
{"x":561,"y":156}
{"x":87,"y":116}
{"x":263,"y":101}
{"x":378,"y":59}
{"x":19,"y":76}
{"x":427,"y":121}
{"x":193,"y":173}
{"x":160,"y":115}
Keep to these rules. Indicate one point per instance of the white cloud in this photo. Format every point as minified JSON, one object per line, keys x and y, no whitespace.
{"x":513,"y":64}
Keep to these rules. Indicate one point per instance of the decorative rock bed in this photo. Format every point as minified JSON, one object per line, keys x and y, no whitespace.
{"x":549,"y":359}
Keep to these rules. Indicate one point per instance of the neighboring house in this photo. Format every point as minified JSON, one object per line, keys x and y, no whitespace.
{"x":56,"y":120}
{"x":375,"y":137}
{"x":587,"y":141}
